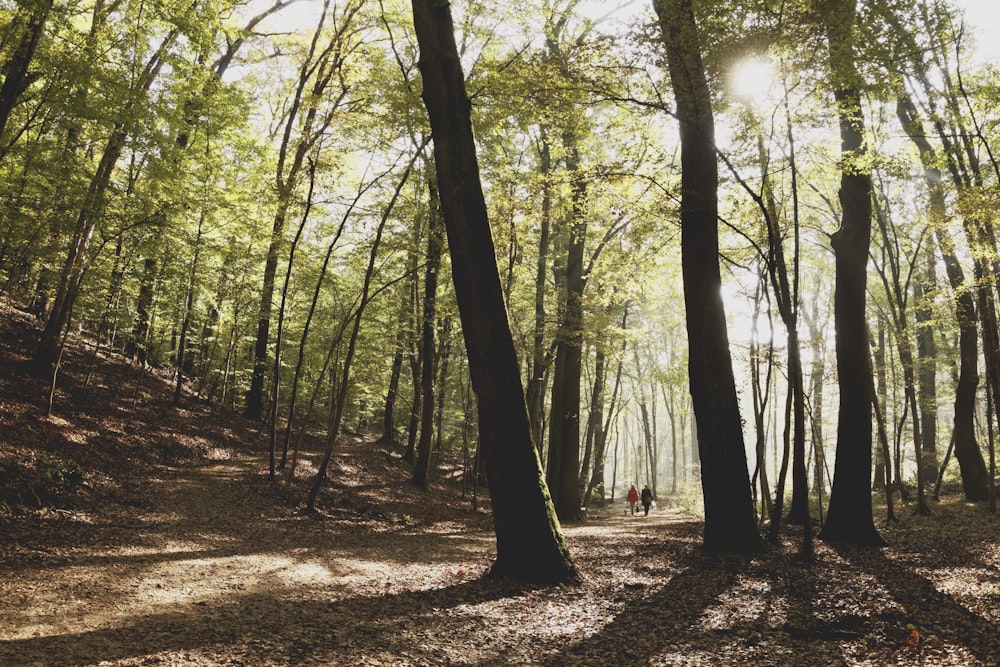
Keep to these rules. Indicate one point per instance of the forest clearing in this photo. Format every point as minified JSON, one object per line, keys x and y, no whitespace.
{"x":171,"y":547}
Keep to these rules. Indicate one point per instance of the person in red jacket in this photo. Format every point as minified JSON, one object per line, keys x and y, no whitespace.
{"x":632,"y":498}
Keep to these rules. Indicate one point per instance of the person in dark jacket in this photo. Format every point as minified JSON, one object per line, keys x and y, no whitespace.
{"x":647,"y":498}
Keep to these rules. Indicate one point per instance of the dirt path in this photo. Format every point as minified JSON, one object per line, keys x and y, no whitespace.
{"x":210,"y":568}
{"x":205,"y":571}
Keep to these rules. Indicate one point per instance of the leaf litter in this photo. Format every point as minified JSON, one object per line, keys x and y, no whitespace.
{"x":135,"y":533}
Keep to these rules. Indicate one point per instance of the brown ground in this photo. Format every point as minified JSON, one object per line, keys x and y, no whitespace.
{"x":149,"y":535}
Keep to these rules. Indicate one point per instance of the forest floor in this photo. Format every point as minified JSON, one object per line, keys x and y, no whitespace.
{"x":133,"y":532}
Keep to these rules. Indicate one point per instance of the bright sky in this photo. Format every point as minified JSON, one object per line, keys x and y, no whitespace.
{"x":983,"y":19}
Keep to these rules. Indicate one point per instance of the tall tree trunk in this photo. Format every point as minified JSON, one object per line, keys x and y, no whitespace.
{"x":315,"y":76}
{"x":648,"y":427}
{"x":389,"y":412}
{"x":435,"y":243}
{"x":975,"y":480}
{"x":530,"y":544}
{"x":602,"y":430}
{"x":760,"y":395}
{"x":136,"y":347}
{"x":595,"y":417}
{"x":255,"y":396}
{"x":897,"y":297}
{"x":444,"y":356}
{"x":816,"y":384}
{"x":539,"y":358}
{"x":729,"y":516}
{"x":849,"y":518}
{"x":339,"y":398}
{"x":564,"y":430}
{"x":188,"y":307}
{"x":924,"y":286}
{"x":883,"y":448}
{"x":414,"y":353}
{"x":280,"y":337}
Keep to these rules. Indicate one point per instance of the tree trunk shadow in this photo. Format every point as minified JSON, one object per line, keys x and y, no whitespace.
{"x":659,"y":622}
{"x":931,"y":611}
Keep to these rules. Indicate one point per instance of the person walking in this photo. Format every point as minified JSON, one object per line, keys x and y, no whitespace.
{"x":632,"y":498}
{"x":647,"y":499}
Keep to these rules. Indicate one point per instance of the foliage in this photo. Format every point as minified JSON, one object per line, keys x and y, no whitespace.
{"x":199,"y":141}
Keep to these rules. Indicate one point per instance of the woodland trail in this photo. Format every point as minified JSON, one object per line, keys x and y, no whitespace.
{"x":205,"y":570}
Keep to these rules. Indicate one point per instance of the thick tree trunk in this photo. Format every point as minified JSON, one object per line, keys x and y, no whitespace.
{"x":850,"y":514}
{"x":729,"y":516}
{"x":530,"y":544}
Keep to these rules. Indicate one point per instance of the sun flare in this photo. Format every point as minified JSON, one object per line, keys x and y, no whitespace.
{"x":751,"y":79}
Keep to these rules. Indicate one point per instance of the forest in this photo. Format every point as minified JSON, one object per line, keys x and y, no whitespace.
{"x":464,"y":273}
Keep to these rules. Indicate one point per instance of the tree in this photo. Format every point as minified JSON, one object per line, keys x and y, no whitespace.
{"x":29,"y":22}
{"x":530,"y":545}
{"x":729,"y":514}
{"x":322,"y":66}
{"x":893,"y":279}
{"x":428,"y":335}
{"x":975,"y":481}
{"x":92,"y":209}
{"x":850,"y":514}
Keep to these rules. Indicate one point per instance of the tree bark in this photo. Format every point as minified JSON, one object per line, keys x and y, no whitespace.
{"x":539,"y":359}
{"x":530,"y":544}
{"x":388,"y":415}
{"x":924,"y":286}
{"x":729,"y":516}
{"x":849,"y":518}
{"x":564,"y":431}
{"x":428,"y":338}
